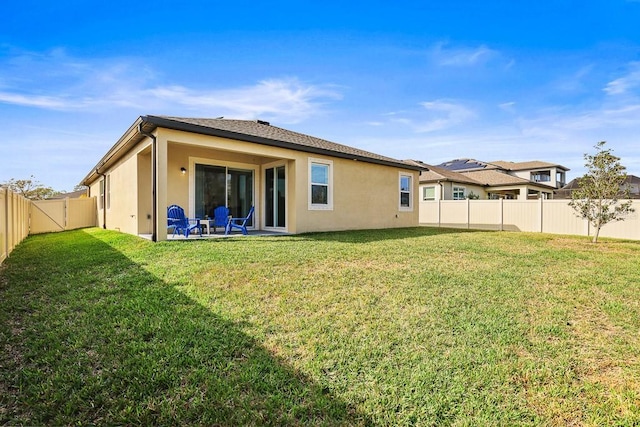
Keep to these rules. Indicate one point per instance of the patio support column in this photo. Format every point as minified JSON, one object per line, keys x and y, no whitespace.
{"x":161,"y":187}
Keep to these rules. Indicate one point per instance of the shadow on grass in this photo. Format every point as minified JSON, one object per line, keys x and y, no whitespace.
{"x":91,"y":337}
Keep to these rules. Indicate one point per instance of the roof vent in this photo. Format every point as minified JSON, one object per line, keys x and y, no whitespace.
{"x":262,"y":122}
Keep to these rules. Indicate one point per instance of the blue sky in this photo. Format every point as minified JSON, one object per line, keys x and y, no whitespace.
{"x":427,"y":80}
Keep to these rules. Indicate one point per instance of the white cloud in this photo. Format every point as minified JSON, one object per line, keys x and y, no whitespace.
{"x":55,"y":81}
{"x":289,"y":100}
{"x":624,"y":84}
{"x":432,"y":116}
{"x":461,"y":57}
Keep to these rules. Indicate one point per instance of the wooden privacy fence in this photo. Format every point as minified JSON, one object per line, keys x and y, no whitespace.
{"x":20,"y":217}
{"x":544,"y":216}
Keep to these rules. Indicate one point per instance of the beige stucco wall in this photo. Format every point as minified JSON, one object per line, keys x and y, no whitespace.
{"x":122,"y":207}
{"x":526,"y":174}
{"x":365,"y":195}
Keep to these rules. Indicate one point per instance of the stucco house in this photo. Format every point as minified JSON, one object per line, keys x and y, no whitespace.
{"x":297,"y":183}
{"x":468,"y":178}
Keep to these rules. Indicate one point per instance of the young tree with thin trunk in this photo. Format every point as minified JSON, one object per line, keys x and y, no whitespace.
{"x":600,"y":190}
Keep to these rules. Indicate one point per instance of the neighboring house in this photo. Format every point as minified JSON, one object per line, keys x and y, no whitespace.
{"x":632,"y":184}
{"x":464,"y":178}
{"x":297,"y":183}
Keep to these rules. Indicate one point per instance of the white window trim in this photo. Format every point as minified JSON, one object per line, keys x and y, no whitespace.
{"x":317,"y":206}
{"x":108,"y":190}
{"x":423,"y":192}
{"x":410,"y":207}
{"x":102,"y":188}
{"x":453,"y":191}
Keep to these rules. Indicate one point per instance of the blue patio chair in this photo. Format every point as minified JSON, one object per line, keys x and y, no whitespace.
{"x":180,"y":223}
{"x":239,"y":223}
{"x":220,"y":217}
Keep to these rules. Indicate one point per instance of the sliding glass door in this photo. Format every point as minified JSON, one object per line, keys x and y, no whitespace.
{"x":275,"y":197}
{"x":222,"y":186}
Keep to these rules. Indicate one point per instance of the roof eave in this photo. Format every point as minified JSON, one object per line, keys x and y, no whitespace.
{"x":131,"y":136}
{"x":204,"y":130}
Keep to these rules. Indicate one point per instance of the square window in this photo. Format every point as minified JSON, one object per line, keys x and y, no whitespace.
{"x":459,"y":193}
{"x":320,"y":184}
{"x":428,"y":193}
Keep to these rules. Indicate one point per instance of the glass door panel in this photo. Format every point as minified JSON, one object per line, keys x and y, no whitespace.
{"x":210,"y":189}
{"x":240,"y":193}
{"x":275,"y":197}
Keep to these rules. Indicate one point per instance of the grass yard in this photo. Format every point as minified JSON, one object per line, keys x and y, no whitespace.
{"x":391,"y":327}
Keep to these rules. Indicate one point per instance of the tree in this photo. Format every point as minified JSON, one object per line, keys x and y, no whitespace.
{"x":600,"y":189}
{"x":30,"y":188}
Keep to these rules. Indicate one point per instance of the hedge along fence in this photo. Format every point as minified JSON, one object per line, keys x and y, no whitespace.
{"x":544,"y":216}
{"x":20,"y":217}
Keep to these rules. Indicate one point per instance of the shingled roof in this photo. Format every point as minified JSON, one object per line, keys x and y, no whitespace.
{"x":255,"y":131}
{"x":517,"y":166}
{"x":494,"y":178}
{"x":436,"y":173}
{"x":261,"y":132}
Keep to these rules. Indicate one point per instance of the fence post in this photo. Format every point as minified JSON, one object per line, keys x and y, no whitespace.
{"x":5,"y":208}
{"x":468,"y":214}
{"x":540,"y":212}
{"x":439,"y":213}
{"x":66,"y":213}
{"x":501,"y":214}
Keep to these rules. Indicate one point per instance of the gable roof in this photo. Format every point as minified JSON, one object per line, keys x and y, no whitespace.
{"x":255,"y":131}
{"x":466,"y":165}
{"x":491,"y":177}
{"x":460,"y":165}
{"x":262,"y":132}
{"x":435,"y":174}
{"x":518,"y":166}
{"x":495,"y":178}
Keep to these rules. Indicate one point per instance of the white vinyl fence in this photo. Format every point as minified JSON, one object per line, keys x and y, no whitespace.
{"x":14,"y":221}
{"x":544,"y":216}
{"x":20,"y":217}
{"x":62,"y":214}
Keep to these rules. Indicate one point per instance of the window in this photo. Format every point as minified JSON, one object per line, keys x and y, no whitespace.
{"x":320,"y":184}
{"x":541,"y":176}
{"x":405,"y":191}
{"x":108,"y":189}
{"x":101,"y":199}
{"x":428,"y":193}
{"x":458,"y":193}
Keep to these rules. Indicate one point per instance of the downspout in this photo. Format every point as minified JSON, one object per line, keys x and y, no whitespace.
{"x":154,"y":180}
{"x":104,"y":198}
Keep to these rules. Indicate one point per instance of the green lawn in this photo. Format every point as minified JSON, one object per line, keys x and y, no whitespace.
{"x":391,"y":327}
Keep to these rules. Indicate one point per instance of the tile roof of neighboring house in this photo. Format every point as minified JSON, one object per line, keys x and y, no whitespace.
{"x":517,"y":166}
{"x":264,"y":133}
{"x":494,"y":178}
